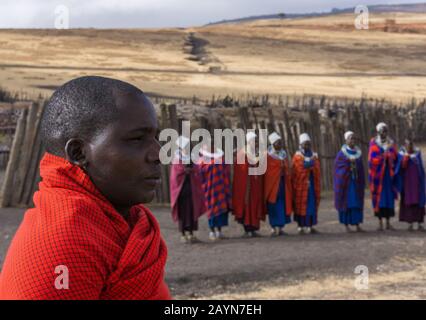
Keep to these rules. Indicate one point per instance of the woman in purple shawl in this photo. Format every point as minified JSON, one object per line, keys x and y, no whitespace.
{"x":186,"y":193}
{"x":349,"y":183}
{"x":410,"y":180}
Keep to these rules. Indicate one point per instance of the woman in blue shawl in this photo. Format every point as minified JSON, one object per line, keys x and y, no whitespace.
{"x":349,"y":183}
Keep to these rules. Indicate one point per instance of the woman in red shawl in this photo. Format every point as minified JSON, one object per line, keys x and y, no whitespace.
{"x":247,"y":190}
{"x":186,"y":191}
{"x":217,"y":190}
{"x":89,"y":236}
{"x":306,"y":186}
{"x":278,"y":189}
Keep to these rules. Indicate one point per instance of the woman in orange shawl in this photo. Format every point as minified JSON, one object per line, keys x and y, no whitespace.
{"x":247,"y":190}
{"x":306,"y":185}
{"x":278,"y":189}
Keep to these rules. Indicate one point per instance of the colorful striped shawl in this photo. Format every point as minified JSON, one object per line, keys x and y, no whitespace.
{"x":377,"y":158}
{"x":216,"y":186}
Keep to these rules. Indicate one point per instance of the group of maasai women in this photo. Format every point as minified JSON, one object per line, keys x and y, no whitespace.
{"x":283,"y":191}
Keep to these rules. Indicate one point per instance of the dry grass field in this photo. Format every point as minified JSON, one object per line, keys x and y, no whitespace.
{"x":325,"y":55}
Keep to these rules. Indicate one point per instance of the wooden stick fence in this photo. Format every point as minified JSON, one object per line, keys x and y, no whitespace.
{"x":324,"y":118}
{"x":22,"y":172}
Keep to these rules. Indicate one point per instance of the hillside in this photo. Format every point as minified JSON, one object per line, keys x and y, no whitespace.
{"x":318,"y":55}
{"x":411,"y":8}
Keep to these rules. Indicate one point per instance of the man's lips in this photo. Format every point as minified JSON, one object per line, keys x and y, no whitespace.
{"x":153,"y":179}
{"x":153,"y":176}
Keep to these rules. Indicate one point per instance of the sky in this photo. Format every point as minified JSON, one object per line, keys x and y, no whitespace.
{"x":155,"y":13}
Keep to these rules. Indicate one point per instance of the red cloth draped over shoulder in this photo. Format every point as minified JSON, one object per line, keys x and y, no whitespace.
{"x":300,"y":180}
{"x":272,"y":182}
{"x":177,"y":178}
{"x":254,"y":204}
{"x":74,"y":228}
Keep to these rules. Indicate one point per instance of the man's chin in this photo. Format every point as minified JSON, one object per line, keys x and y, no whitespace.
{"x":147,"y":197}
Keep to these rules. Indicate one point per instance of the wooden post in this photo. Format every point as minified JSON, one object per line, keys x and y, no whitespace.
{"x":271,"y":122}
{"x":33,"y":165}
{"x":7,"y":188}
{"x":31,"y":183}
{"x":174,"y":123}
{"x":164,"y":196}
{"x":31,"y":130}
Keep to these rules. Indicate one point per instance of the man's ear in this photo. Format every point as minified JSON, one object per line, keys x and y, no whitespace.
{"x":75,"y":152}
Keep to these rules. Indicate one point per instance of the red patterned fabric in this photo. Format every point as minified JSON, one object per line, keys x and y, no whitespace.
{"x":300,"y":180}
{"x":73,"y":225}
{"x":276,"y":168}
{"x":216,"y":185}
{"x":248,"y":202}
{"x":377,"y":159}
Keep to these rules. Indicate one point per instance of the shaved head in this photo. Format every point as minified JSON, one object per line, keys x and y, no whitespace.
{"x":80,"y":109}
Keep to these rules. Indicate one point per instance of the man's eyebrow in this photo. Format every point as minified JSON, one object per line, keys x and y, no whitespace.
{"x":143,"y":130}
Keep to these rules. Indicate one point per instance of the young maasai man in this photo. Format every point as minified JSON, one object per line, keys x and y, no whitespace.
{"x":349,"y":183}
{"x":278,"y":188}
{"x":410,"y":176}
{"x":247,"y":190}
{"x":88,"y":236}
{"x":306,"y":185}
{"x":186,"y":193}
{"x":217,"y":190}
{"x":382,"y":158}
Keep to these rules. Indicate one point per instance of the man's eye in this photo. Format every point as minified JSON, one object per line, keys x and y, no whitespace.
{"x":137,"y":138}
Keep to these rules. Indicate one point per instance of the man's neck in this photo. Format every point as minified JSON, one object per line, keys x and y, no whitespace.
{"x":123,"y":211}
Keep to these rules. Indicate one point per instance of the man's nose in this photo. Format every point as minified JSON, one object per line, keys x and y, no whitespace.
{"x":154,"y":152}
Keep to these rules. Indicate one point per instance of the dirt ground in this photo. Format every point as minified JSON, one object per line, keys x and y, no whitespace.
{"x":318,"y":266}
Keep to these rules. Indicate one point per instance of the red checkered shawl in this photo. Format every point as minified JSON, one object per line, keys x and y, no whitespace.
{"x":216,"y":185}
{"x":377,"y":157}
{"x":74,"y":226}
